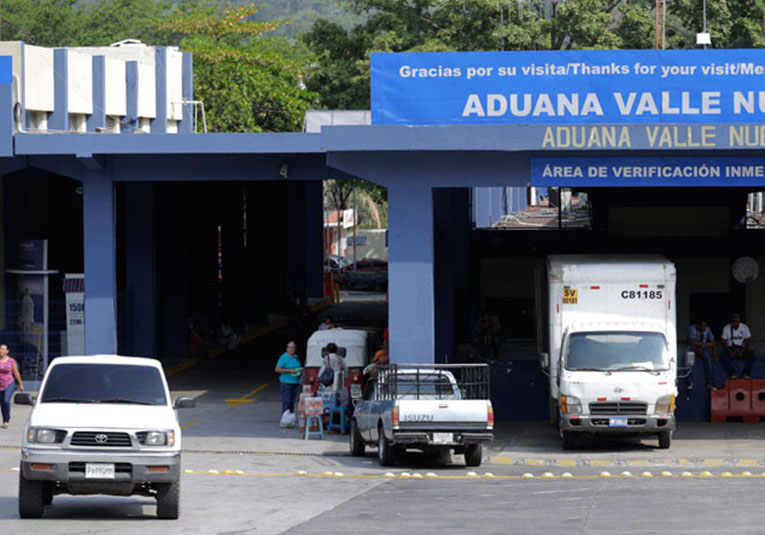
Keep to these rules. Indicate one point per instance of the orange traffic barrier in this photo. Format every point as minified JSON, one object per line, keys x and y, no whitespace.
{"x":741,"y":399}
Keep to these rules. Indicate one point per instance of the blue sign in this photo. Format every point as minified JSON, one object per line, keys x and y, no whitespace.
{"x":655,"y":171}
{"x":6,"y":69}
{"x":569,"y":87}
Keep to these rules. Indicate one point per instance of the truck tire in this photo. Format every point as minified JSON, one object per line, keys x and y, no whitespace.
{"x":386,"y":453}
{"x":356,"y":442}
{"x":168,"y":500}
{"x":567,"y":439}
{"x":473,"y":455}
{"x":665,"y":440}
{"x":554,"y":415}
{"x":31,"y":501}
{"x":48,"y":493}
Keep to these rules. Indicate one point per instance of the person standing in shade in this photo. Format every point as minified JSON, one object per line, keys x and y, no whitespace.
{"x":9,"y":372}
{"x":289,"y":368}
{"x":702,"y":342}
{"x":736,"y":338}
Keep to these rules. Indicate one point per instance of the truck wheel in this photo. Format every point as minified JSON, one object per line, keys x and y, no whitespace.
{"x":386,"y":453}
{"x":168,"y":500}
{"x":48,"y":493}
{"x":567,"y":439}
{"x":31,"y":502}
{"x":473,"y":455}
{"x":357,"y":443}
{"x":554,"y":415}
{"x":665,"y":440}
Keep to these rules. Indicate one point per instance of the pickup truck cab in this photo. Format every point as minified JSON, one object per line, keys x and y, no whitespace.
{"x":427,"y":407}
{"x":101,"y":425}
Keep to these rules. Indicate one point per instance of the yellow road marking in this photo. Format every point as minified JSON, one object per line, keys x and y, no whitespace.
{"x":637,"y":462}
{"x":712,"y":462}
{"x":195,"y":422}
{"x":534,"y":462}
{"x":565,"y":462}
{"x":601,"y":462}
{"x":238,"y":402}
{"x":502,"y":460}
{"x":747,"y":462}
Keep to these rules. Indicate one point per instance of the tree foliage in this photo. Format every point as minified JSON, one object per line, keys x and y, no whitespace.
{"x":248,"y":81}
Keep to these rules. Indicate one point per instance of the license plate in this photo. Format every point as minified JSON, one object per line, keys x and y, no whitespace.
{"x":99,"y":471}
{"x":617,"y":422}
{"x":443,"y":438}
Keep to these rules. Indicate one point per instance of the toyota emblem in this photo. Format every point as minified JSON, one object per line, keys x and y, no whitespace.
{"x":618,"y":390}
{"x":101,"y":438}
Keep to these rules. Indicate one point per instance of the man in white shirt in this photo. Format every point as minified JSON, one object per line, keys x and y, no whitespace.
{"x":736,"y":338}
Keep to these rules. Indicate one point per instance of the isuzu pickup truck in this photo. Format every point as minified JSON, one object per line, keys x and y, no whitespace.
{"x":433,"y":408}
{"x":101,"y":425}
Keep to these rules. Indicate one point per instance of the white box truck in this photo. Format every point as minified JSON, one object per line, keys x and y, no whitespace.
{"x":611,"y":345}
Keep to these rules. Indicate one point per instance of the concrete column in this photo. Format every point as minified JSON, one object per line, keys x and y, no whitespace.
{"x":98,"y":118}
{"x":6,"y":108}
{"x":187,"y":124}
{"x":140,"y":279}
{"x":100,"y":265}
{"x":59,"y":119}
{"x":482,"y":207}
{"x":410,"y":272}
{"x":159,"y":123}
{"x":131,"y":94}
{"x":497,"y":202}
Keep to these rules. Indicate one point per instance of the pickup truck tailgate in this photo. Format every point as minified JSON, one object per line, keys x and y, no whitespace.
{"x":443,"y":414}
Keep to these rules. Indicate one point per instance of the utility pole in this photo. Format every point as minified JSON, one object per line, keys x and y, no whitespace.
{"x":661,"y":21}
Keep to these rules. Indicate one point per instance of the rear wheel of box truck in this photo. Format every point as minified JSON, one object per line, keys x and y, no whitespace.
{"x":665,"y":440}
{"x":554,"y":414}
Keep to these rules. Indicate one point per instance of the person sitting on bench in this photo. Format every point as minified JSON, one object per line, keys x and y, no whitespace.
{"x":736,"y":338}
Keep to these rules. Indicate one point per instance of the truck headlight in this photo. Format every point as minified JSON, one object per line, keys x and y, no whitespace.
{"x":665,"y":404}
{"x":45,"y":436}
{"x":160,"y":438}
{"x":570,"y":405}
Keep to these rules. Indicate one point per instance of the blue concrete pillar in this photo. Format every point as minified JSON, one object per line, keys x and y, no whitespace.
{"x":131,"y":96}
{"x":482,"y":207}
{"x":100,"y":265}
{"x":140,"y":259}
{"x":497,"y":204}
{"x":159,"y":123}
{"x":410,"y":271}
{"x":98,"y":118}
{"x":187,"y":91}
{"x":6,"y":115}
{"x":59,"y":118}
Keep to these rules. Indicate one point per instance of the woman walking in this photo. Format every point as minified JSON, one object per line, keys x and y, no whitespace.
{"x":289,"y":368}
{"x":8,"y":372}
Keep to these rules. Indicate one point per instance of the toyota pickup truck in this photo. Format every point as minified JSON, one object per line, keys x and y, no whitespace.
{"x":101,"y":425}
{"x":433,"y":408}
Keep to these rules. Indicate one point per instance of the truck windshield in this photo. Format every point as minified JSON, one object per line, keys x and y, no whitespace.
{"x":104,"y":383}
{"x":616,"y":351}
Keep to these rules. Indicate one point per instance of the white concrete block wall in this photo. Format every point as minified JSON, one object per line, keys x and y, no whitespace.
{"x":80,"y":83}
{"x":174,"y":85}
{"x":38,"y":79}
{"x":115,"y":91}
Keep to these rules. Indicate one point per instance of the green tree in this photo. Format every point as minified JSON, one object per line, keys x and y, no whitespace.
{"x":249,"y":82}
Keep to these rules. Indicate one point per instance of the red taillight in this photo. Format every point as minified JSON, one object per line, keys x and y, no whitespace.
{"x":394,"y":417}
{"x":644,"y":286}
{"x":490,"y":415}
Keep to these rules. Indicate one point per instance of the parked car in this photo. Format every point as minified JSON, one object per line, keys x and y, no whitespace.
{"x":101,"y":425}
{"x":430,"y":407}
{"x":373,"y":265}
{"x":335,"y":262}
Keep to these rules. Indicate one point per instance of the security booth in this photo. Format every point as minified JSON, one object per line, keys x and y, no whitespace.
{"x":656,"y":150}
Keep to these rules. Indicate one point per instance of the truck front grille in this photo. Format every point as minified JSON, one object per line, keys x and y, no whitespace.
{"x":618,"y":407}
{"x":101,"y":439}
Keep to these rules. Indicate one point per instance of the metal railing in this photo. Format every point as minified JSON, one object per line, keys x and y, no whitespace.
{"x":433,"y":381}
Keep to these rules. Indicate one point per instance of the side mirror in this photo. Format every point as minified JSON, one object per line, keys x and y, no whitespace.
{"x":185,"y":402}
{"x":23,"y":398}
{"x":690,"y":359}
{"x":544,"y":360}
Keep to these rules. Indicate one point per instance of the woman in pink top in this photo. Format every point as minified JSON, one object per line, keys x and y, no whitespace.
{"x":8,"y":372}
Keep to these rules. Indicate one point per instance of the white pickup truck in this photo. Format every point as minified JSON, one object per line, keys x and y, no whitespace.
{"x":427,"y":407}
{"x":101,"y":425}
